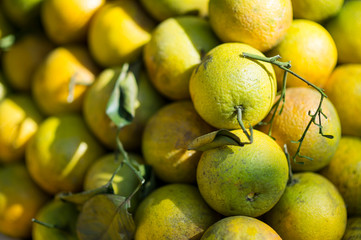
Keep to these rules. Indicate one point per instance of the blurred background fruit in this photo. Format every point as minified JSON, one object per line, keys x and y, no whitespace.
{"x":61,"y":152}
{"x":20,"y":200}
{"x":163,"y":9}
{"x":316,"y":10}
{"x":290,"y":125}
{"x":28,"y":52}
{"x":344,"y":30}
{"x":259,"y":24}
{"x":95,"y":103}
{"x":344,"y":90}
{"x":22,"y":12}
{"x":353,"y":228}
{"x":118,"y":32}
{"x":50,"y":87}
{"x":345,"y":172}
{"x":68,"y":21}
{"x":19,"y":121}
{"x":175,"y":49}
{"x":311,"y":51}
{"x":62,"y":216}
{"x":125,"y":181}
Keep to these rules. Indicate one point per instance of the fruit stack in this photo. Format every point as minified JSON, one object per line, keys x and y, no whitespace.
{"x":183,"y":119}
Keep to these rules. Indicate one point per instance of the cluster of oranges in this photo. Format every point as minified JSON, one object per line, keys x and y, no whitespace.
{"x":182,"y":119}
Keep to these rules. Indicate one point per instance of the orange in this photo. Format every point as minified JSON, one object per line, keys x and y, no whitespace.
{"x":311,"y":51}
{"x":259,"y":24}
{"x":20,"y":200}
{"x":22,"y":12}
{"x":344,"y":89}
{"x":310,"y":208}
{"x":50,"y":87}
{"x":19,"y":121}
{"x":27,"y":53}
{"x":174,"y":211}
{"x":344,"y":30}
{"x":247,"y":180}
{"x":5,"y":27}
{"x":61,"y":214}
{"x":225,"y":80}
{"x":118,"y":32}
{"x":163,"y":9}
{"x":344,"y":171}
{"x":353,"y":229}
{"x":240,"y":227}
{"x":95,"y":104}
{"x":316,"y":10}
{"x":175,"y":49}
{"x":124,"y":182}
{"x":165,"y":140}
{"x":290,"y":125}
{"x":61,"y":152}
{"x":68,"y":21}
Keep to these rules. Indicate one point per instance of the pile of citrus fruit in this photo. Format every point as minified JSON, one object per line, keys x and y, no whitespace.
{"x":180,"y":119}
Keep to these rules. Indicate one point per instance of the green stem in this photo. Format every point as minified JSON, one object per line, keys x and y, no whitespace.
{"x":276,"y":105}
{"x":239,"y":110}
{"x":290,"y":173}
{"x":283,"y":65}
{"x":48,"y":225}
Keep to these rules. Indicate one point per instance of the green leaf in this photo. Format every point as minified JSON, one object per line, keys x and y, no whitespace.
{"x":80,"y":198}
{"x":123,"y":100}
{"x":215,"y":139}
{"x":105,"y":217}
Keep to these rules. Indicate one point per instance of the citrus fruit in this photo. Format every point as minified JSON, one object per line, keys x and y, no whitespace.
{"x":344,"y":30}
{"x":68,"y":21}
{"x":5,"y":27}
{"x":240,"y":227}
{"x":61,"y":152}
{"x":51,"y":80}
{"x":125,"y":181}
{"x":344,"y":171}
{"x":353,"y":229}
{"x":19,"y":121}
{"x":28,"y":53}
{"x":60,"y":214}
{"x":174,"y":211}
{"x":20,"y":200}
{"x":175,"y":49}
{"x":316,"y":10}
{"x":225,"y":80}
{"x":311,"y":51}
{"x":259,"y":24}
{"x":344,"y":89}
{"x":310,"y":208}
{"x":95,"y":104}
{"x":118,"y":32}
{"x":165,"y":140}
{"x":246,"y":180}
{"x":291,"y":124}
{"x":21,"y":12}
{"x":163,"y":9}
